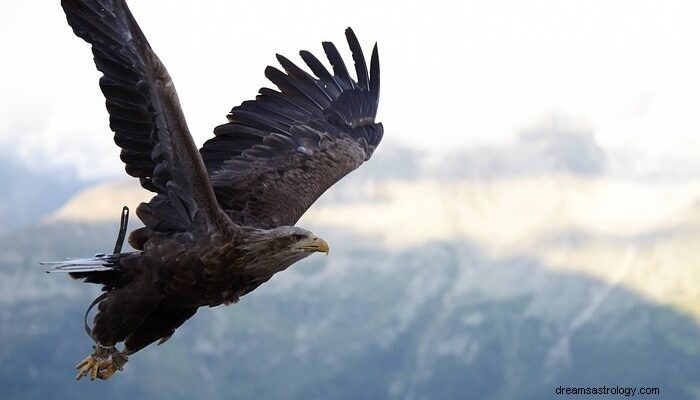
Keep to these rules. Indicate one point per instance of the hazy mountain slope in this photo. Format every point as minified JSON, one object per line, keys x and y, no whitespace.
{"x":637,"y":234}
{"x":640,"y":235}
{"x":437,"y":320}
{"x":29,"y":195}
{"x":493,"y":287}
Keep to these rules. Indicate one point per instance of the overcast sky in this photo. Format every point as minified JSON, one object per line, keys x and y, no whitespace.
{"x":454,"y":74}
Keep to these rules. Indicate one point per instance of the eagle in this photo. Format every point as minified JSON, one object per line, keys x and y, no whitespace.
{"x":222,"y":218}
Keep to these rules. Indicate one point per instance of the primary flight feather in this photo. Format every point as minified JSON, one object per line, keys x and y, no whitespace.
{"x":222,"y":219}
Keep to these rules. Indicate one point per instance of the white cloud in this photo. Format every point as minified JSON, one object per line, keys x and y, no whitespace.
{"x":454,"y":73}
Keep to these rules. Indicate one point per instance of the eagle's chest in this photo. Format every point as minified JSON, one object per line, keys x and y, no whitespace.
{"x":228,"y":297}
{"x":226,"y":279}
{"x":231,"y":290}
{"x":239,"y":280}
{"x":216,"y":273}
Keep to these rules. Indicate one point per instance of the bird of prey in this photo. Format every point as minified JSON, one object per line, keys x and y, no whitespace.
{"x":222,"y":218}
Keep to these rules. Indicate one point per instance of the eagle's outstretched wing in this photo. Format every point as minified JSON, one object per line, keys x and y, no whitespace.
{"x":280,"y":152}
{"x":146,"y":118}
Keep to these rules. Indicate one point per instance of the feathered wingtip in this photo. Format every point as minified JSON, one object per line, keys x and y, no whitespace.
{"x":100,"y":262}
{"x":312,"y":92}
{"x":366,"y":80}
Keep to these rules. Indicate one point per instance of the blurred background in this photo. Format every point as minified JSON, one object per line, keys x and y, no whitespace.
{"x":531,"y":220}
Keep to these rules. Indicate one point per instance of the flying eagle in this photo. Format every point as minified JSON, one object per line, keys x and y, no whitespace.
{"x":221,"y":222}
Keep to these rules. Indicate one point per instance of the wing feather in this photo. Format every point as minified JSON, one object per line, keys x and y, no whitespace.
{"x":328,"y":81}
{"x":339,"y":69}
{"x":305,"y":83}
{"x":146,"y":117}
{"x":359,"y":58}
{"x":280,"y":152}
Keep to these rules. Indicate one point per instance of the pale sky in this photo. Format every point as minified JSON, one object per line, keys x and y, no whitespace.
{"x":454,"y":74}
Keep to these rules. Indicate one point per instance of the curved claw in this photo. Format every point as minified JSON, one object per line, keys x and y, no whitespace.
{"x":92,"y":365}
{"x":103,"y":363}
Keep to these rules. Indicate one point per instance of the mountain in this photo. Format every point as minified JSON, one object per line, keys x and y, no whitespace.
{"x":503,"y":288}
{"x":29,"y":195}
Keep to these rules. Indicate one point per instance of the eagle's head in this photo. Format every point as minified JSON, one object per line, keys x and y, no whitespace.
{"x":276,"y":249}
{"x":295,"y":240}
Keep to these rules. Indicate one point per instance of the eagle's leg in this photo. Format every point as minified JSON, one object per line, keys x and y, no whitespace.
{"x":102,"y":363}
{"x":116,"y":363}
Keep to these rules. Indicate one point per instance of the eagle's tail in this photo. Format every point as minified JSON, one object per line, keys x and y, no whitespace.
{"x":98,"y":263}
{"x":92,"y":269}
{"x":104,"y":269}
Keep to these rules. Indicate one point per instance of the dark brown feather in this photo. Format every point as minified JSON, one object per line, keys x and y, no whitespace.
{"x":145,"y":116}
{"x":288,"y":147}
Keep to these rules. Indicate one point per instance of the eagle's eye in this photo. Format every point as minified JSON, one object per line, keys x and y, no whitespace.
{"x":297,"y":237}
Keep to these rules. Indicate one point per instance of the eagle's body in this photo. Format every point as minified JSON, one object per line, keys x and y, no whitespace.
{"x":173,"y":276}
{"x":222,"y":219}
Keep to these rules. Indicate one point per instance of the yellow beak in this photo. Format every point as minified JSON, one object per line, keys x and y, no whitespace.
{"x":314,"y":243}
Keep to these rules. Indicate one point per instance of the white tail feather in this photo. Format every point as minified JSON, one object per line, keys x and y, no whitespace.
{"x":100,"y":262}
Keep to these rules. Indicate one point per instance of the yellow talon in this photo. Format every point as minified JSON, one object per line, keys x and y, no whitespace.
{"x":85,"y":361}
{"x":103,"y":363}
{"x":95,"y":369}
